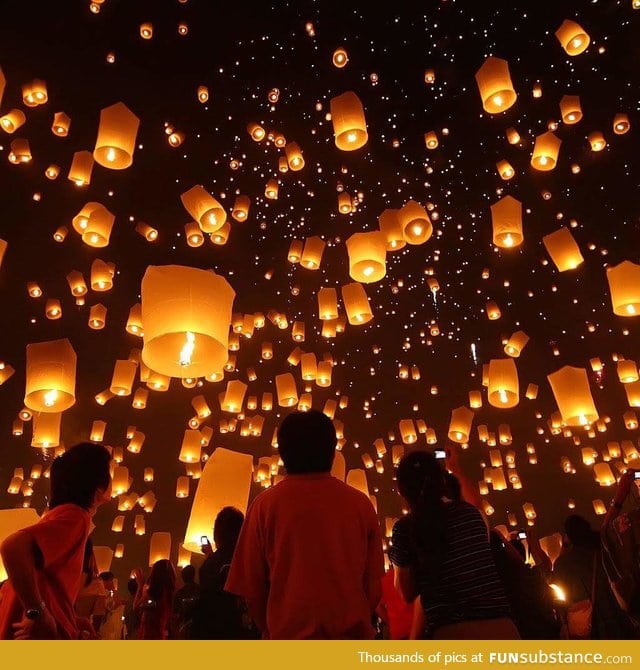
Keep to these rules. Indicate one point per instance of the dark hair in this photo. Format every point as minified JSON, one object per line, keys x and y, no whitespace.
{"x":188,"y":574}
{"x":454,"y":488}
{"x":132,"y":586}
{"x":226,"y":528}
{"x":307,"y":442}
{"x":579,"y":531}
{"x":78,"y":474}
{"x":89,"y":566}
{"x":106,"y":576}
{"x":162,"y":581}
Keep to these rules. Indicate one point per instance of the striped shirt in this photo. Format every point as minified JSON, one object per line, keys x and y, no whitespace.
{"x":467,"y":586}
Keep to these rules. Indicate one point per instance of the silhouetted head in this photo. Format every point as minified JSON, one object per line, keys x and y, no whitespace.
{"x":226,"y":528}
{"x":307,"y":442}
{"x":188,"y":574}
{"x":420,"y":477}
{"x":579,"y":531}
{"x":162,"y":580}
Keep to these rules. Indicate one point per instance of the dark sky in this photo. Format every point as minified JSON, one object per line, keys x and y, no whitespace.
{"x":241,"y":51}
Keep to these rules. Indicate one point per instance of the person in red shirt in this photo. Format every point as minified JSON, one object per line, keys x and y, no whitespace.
{"x":309,"y":559}
{"x":44,"y":561}
{"x":394,"y":610}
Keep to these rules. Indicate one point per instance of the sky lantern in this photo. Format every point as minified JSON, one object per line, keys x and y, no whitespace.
{"x":97,"y":431}
{"x":563,"y":249}
{"x":97,"y":316}
{"x":624,"y":286}
{"x":76,"y":283}
{"x":327,"y":303}
{"x":286,"y":390}
{"x":240,"y":210}
{"x":492,"y":310}
{"x":391,"y":228}
{"x":116,"y":137}
{"x":204,"y":208}
{"x":51,"y":376}
{"x":233,"y":396}
{"x":345,"y":205}
{"x":506,"y":218}
{"x":46,"y":429}
{"x":572,"y":37}
{"x":596,"y":141}
{"x":124,"y":373}
{"x":505,"y":169}
{"x":256,"y":131}
{"x":431,"y":140}
{"x":460,"y":425}
{"x":94,"y":222}
{"x":13,"y":520}
{"x":621,"y":124}
{"x":517,"y":342}
{"x":20,"y":151}
{"x":271,"y":189}
{"x":12,"y":120}
{"x":340,"y":57}
{"x":293,"y":153}
{"x":312,"y":253}
{"x":159,"y":547}
{"x":603,"y":474}
{"x":571,"y":390}
{"x":503,"y":389}
{"x":627,"y":371}
{"x":191,"y":447}
{"x":186,"y":314}
{"x":349,"y":124}
{"x":367,"y":252}
{"x":545,"y":152}
{"x":415,"y":223}
{"x":494,"y":83}
{"x":356,"y":304}
{"x":61,"y":124}
{"x":570,"y":109}
{"x":202,"y":94}
{"x":34,"y":93}
{"x":101,"y":276}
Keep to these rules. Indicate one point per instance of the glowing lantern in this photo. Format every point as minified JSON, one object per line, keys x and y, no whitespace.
{"x":415,"y":223}
{"x":233,"y":397}
{"x":529,"y":511}
{"x":597,"y":141}
{"x":627,"y":371}
{"x":513,"y":136}
{"x":116,"y":139}
{"x":298,"y":331}
{"x":124,"y":373}
{"x":146,"y":31}
{"x":532,"y":392}
{"x":148,"y":232}
{"x":356,"y":304}
{"x":182,"y":487}
{"x":201,"y":407}
{"x":572,"y":37}
{"x":20,"y":151}
{"x":621,"y":124}
{"x":570,"y":109}
{"x":140,"y":398}
{"x":61,"y":124}
{"x":344,"y":203}
{"x":545,"y":152}
{"x":624,"y":286}
{"x":503,"y":388}
{"x":312,"y":253}
{"x":94,"y":222}
{"x":51,"y":376}
{"x":571,"y":390}
{"x":295,"y":251}
{"x":349,"y":125}
{"x":495,"y":86}
{"x":203,"y":94}
{"x":630,"y":420}
{"x":340,"y":57}
{"x":159,"y":548}
{"x":46,"y":429}
{"x":286,"y":390}
{"x":52,"y":172}
{"x":101,"y":276}
{"x":12,"y":120}
{"x":76,"y":283}
{"x":391,"y":228}
{"x":34,"y":93}
{"x":431,"y":140}
{"x":562,"y":248}
{"x":599,"y":507}
{"x":407,"y":431}
{"x":186,"y":313}
{"x":505,"y":169}
{"x":475,"y":400}
{"x":517,"y":342}
{"x":633,"y":393}
{"x":97,"y":316}
{"x":327,"y":304}
{"x":308,"y":366}
{"x":204,"y":208}
{"x":191,"y":447}
{"x":506,"y":217}
{"x":460,"y":425}
{"x":493,"y":311}
{"x":97,"y":431}
{"x":240,"y":210}
{"x":295,"y":161}
{"x":134,"y":320}
{"x":256,"y":131}
{"x":13,"y":520}
{"x":367,"y":253}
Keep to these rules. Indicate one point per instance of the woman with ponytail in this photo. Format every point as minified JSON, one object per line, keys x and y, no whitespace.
{"x":441,"y":554}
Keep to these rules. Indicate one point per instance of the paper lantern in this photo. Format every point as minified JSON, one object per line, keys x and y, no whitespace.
{"x":118,"y":524}
{"x":51,"y":376}
{"x":599,"y":507}
{"x":503,"y":390}
{"x":340,"y":57}
{"x":148,"y":232}
{"x":286,"y":390}
{"x":295,"y":251}
{"x":596,"y":141}
{"x":186,"y":313}
{"x":407,"y":431}
{"x":632,"y":391}
{"x":140,"y":398}
{"x":97,"y":225}
{"x":460,"y":425}
{"x":358,"y":480}
{"x":570,"y":109}
{"x":492,"y":310}
{"x":146,"y":31}
{"x":97,"y":316}
{"x":76,"y":283}
{"x":12,"y":120}
{"x":624,"y":286}
{"x":516,"y":343}
{"x":34,"y":93}
{"x":621,"y":124}
{"x":240,"y":210}
{"x":391,"y":228}
{"x":415,"y":223}
{"x":475,"y":399}
{"x":327,"y":304}
{"x":134,"y":320}
{"x":191,"y":447}
{"x":97,"y":431}
{"x":349,"y":124}
{"x":52,"y":172}
{"x":120,"y":480}
{"x":431,"y":140}
{"x":312,"y":253}
{"x":545,"y":152}
{"x":124,"y":373}
{"x":116,"y":139}
{"x":101,"y":276}
{"x":225,"y":481}
{"x":20,"y":151}
{"x":562,"y":248}
{"x":233,"y":396}
{"x":345,"y":205}
{"x":81,"y":168}
{"x":506,"y":218}
{"x":571,"y":390}
{"x":295,"y":160}
{"x":532,"y":391}
{"x":495,"y":86}
{"x":256,"y":131}
{"x":505,"y":169}
{"x":46,"y":429}
{"x":271,"y":189}
{"x":309,"y":366}
{"x":221,"y":236}
{"x":13,"y":520}
{"x":572,"y":37}
{"x":356,"y":304}
{"x":367,"y":252}
{"x":203,"y":94}
{"x":627,"y":371}
{"x":159,"y":548}
{"x":201,"y":407}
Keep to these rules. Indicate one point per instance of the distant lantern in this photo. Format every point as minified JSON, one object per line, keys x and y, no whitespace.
{"x":340,"y":57}
{"x":367,"y":252}
{"x":203,"y":94}
{"x":327,"y":304}
{"x":97,"y":431}
{"x":286,"y":390}
{"x":204,"y":208}
{"x":312,"y":253}
{"x":345,"y":205}
{"x":295,"y":251}
{"x":123,"y":377}
{"x":407,"y":430}
{"x":94,"y":222}
{"x":76,"y":283}
{"x":191,"y":447}
{"x":46,"y":429}
{"x":475,"y":399}
{"x":12,"y":120}
{"x":61,"y":124}
{"x":349,"y":125}
{"x":20,"y":151}
{"x":503,"y":389}
{"x":570,"y":109}
{"x":492,"y":310}
{"x":34,"y":93}
{"x":431,"y":140}
{"x":513,"y":136}
{"x":186,"y":314}
{"x":193,"y":235}
{"x":506,"y":217}
{"x":182,"y":487}
{"x":624,"y":286}
{"x":256,"y":131}
{"x":233,"y":396}
{"x":295,"y":160}
{"x":52,"y":172}
{"x":148,"y":232}
{"x":627,"y":371}
{"x":271,"y":189}
{"x":563,"y":249}
{"x":240,"y":210}
{"x":495,"y":86}
{"x":621,"y":124}
{"x":572,"y":37}
{"x":545,"y":152}
{"x":201,"y":406}
{"x":460,"y":425}
{"x":505,"y":169}
{"x":51,"y":376}
{"x":140,"y":398}
{"x":603,"y":474}
{"x":116,"y":137}
{"x":391,"y":228}
{"x":308,"y":366}
{"x":415,"y":223}
{"x":596,"y":141}
{"x":159,"y":548}
{"x":146,"y":31}
{"x":221,"y":236}
{"x":97,"y":316}
{"x":134,"y":321}
{"x":101,"y":277}
{"x":516,"y":343}
{"x":53,"y":309}
{"x":356,"y":304}
{"x":571,"y":390}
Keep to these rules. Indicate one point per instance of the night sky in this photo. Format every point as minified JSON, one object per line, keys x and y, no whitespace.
{"x":242,"y":51}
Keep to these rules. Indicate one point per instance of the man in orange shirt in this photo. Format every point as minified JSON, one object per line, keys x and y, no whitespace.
{"x":44,"y":561}
{"x":309,"y":559}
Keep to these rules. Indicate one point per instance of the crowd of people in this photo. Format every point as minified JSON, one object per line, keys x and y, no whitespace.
{"x":307,"y":562}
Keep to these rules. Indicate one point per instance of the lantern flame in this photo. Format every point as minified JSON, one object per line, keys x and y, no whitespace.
{"x":187,"y":350}
{"x":50,"y":397}
{"x":502,"y":394}
{"x":558,"y":592}
{"x":111,"y":154}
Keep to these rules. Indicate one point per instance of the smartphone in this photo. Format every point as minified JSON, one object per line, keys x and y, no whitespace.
{"x":636,"y":474}
{"x":522,"y":535}
{"x":440,"y":454}
{"x":204,"y":540}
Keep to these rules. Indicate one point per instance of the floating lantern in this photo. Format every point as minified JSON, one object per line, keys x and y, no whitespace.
{"x":240,"y":210}
{"x":295,"y":251}
{"x":286,"y":390}
{"x":146,"y":31}
{"x":271,"y":189}
{"x":570,"y":109}
{"x":545,"y":152}
{"x":571,"y":390}
{"x":295,"y":161}
{"x":415,"y":223}
{"x":191,"y":447}
{"x":344,"y":203}
{"x":186,"y":313}
{"x":12,"y":120}
{"x":494,"y":83}
{"x":503,"y":388}
{"x":61,"y":124}
{"x":562,"y":248}
{"x":367,"y":253}
{"x":517,"y":342}
{"x":327,"y":304}
{"x":572,"y":37}
{"x":460,"y":425}
{"x":51,"y":376}
{"x":202,"y":94}
{"x":596,"y":141}
{"x":101,"y":276}
{"x":627,"y":371}
{"x":505,"y":169}
{"x":492,"y":310}
{"x":532,"y":391}
{"x":46,"y":429}
{"x":52,"y":173}
{"x":182,"y":487}
{"x":116,"y":139}
{"x":204,"y":208}
{"x":159,"y":548}
{"x":312,"y":253}
{"x":20,"y":152}
{"x":140,"y":398}
{"x":349,"y":125}
{"x":97,"y":431}
{"x":340,"y":57}
{"x":431,"y":140}
{"x":624,"y":286}
{"x":94,"y":222}
{"x":506,"y":218}
{"x":97,"y":316}
{"x":356,"y":304}
{"x":621,"y":124}
{"x":124,"y":373}
{"x":256,"y":131}
{"x":76,"y":283}
{"x":407,"y":431}
{"x":233,"y":397}
{"x":391,"y":228}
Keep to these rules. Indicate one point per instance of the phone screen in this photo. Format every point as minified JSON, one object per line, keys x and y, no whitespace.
{"x":204,"y":539}
{"x":522,"y":535}
{"x":636,"y":474}
{"x":440,"y":453}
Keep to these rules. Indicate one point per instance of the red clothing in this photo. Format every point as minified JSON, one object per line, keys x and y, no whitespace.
{"x":61,"y":535}
{"x":309,"y":559}
{"x":155,"y":617}
{"x":399,"y":613}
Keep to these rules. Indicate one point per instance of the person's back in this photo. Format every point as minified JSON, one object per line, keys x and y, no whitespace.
{"x":185,"y":601}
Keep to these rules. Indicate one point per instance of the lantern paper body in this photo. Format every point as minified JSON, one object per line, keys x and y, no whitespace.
{"x":572,"y":37}
{"x":13,"y":520}
{"x":116,"y":137}
{"x":570,"y":109}
{"x":494,"y":83}
{"x":295,"y":161}
{"x":562,"y":248}
{"x":51,"y":376}
{"x":46,"y":429}
{"x":517,"y":342}
{"x":349,"y":125}
{"x":415,"y":223}
{"x":286,"y":390}
{"x":391,"y":228}
{"x":123,"y":376}
{"x":96,"y":227}
{"x":545,"y":152}
{"x":503,"y":388}
{"x":327,"y":304}
{"x":624,"y":286}
{"x":186,"y":314}
{"x":225,"y":481}
{"x":367,"y":252}
{"x":11,"y":121}
{"x":191,"y":447}
{"x":358,"y":480}
{"x":621,"y":124}
{"x":356,"y":304}
{"x":159,"y":548}
{"x":312,"y":252}
{"x":81,"y":168}
{"x":506,"y":217}
{"x":460,"y":425}
{"x":103,"y":556}
{"x":204,"y":208}
{"x":571,"y":390}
